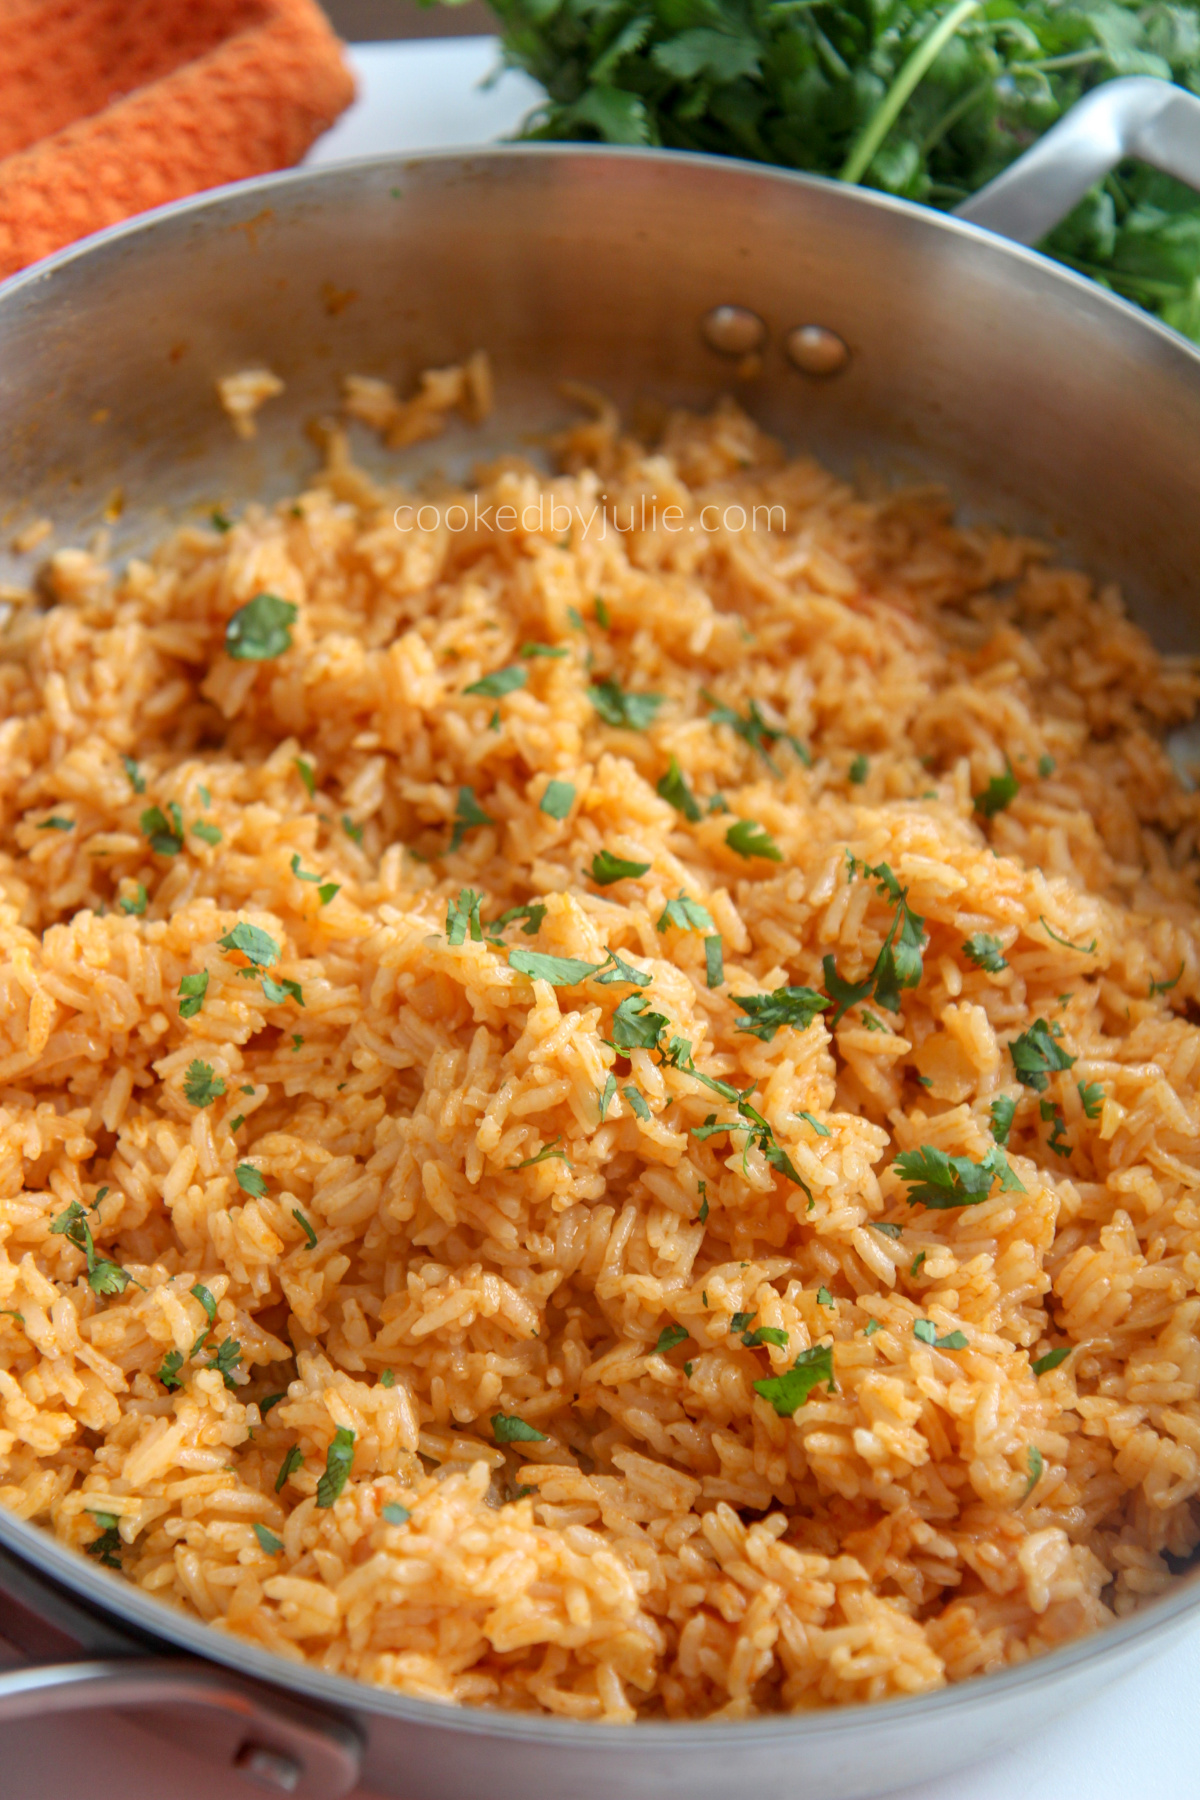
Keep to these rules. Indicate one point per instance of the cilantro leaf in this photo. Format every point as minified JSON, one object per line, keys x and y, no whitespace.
{"x":821,"y":1130}
{"x":1037,"y":1463}
{"x":108,"y":1277}
{"x":250,"y":1180}
{"x":532,"y":914}
{"x":134,"y":904}
{"x":669,"y":1337}
{"x":1091,"y":1096}
{"x":674,"y":789}
{"x":1002,"y":1112}
{"x":544,"y":650}
{"x":559,"y":971}
{"x":714,"y":961}
{"x":788,"y":1392}
{"x":940,"y":1181}
{"x":137,"y":780}
{"x":307,"y":774}
{"x":1000,"y":792}
{"x":748,"y":838}
{"x":211,"y":834}
{"x":558,"y":799}
{"x":685,"y":914}
{"x":1083,"y":949}
{"x":291,"y":1462}
{"x":267,"y":1540}
{"x":327,"y":890}
{"x":927,"y":1332}
{"x":754,"y":728}
{"x":353,"y":832}
{"x":986,"y":952}
{"x":56,"y":822}
{"x":765,"y":1334}
{"x":1036,"y":1055}
{"x":302,"y":874}
{"x":157,"y":828}
{"x":462,"y":915}
{"x":261,"y":630}
{"x":857,"y":772}
{"x":467,"y":815}
{"x":548,"y":1153}
{"x":201,"y":1084}
{"x":633,"y":1028}
{"x":844,"y":993}
{"x":625,"y":711}
{"x":765,"y":1013}
{"x":507,"y":1428}
{"x":610,"y":1088}
{"x":306,"y":1228}
{"x":227,"y":1358}
{"x":637,"y":1102}
{"x":107,"y":1546}
{"x":607,"y":868}
{"x":276,"y":992}
{"x":192,"y":989}
{"x":168,"y":1370}
{"x":499,"y":682}
{"x":338,"y":1458}
{"x":1043,"y":1364}
{"x":255,"y":944}
{"x":394,"y":1513}
{"x":618,"y":971}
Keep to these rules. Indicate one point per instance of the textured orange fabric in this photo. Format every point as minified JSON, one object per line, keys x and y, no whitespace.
{"x":108,"y":107}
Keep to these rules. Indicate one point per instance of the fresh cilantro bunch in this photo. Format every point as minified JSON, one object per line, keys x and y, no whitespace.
{"x":925,"y":98}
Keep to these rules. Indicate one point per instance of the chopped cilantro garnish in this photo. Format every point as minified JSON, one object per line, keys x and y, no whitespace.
{"x":302,"y":874}
{"x":250,"y":1179}
{"x":291,"y":1462}
{"x":558,"y":799}
{"x":305,"y":1227}
{"x":918,"y":1263}
{"x":307,"y":774}
{"x":1037,"y":1463}
{"x":637,"y":1101}
{"x":1002,"y":1112}
{"x":1045,"y":766}
{"x":788,"y":1392}
{"x":137,"y":780}
{"x":1043,"y":1364}
{"x":633,"y":1028}
{"x":858,"y":770}
{"x":674,"y":789}
{"x":462,"y":916}
{"x":106,"y":1547}
{"x":219,"y":521}
{"x":844,"y":993}
{"x":986,"y":952}
{"x":1164,"y":987}
{"x":1083,"y":949}
{"x":940,"y":1181}
{"x":1091,"y":1096}
{"x":468,"y":814}
{"x":227,"y":1358}
{"x":267,"y":1402}
{"x":134,"y":903}
{"x":754,"y":730}
{"x":610,"y":1088}
{"x":1036,"y":1055}
{"x":261,"y":629}
{"x":211,"y":834}
{"x":507,"y":1428}
{"x":669,"y":1337}
{"x":765,"y":1334}
{"x":168,"y":1370}
{"x":338,"y":1459}
{"x":824,"y":1297}
{"x":702,"y":1215}
{"x":765,"y":1013}
{"x":327,"y":890}
{"x":821,"y":1130}
{"x":618,"y":971}
{"x":256,"y":945}
{"x":532,"y":915}
{"x":56,"y":822}
{"x":1000,"y":792}
{"x":548,"y":1153}
{"x":193,"y":988}
{"x":276,"y":992}
{"x":201,"y":1084}
{"x":560,"y":971}
{"x":1057,"y":1140}
{"x":871,"y":1327}
{"x":631,"y":712}
{"x":267,"y":1539}
{"x":926,"y":1330}
{"x":748,"y":838}
{"x":607,"y":868}
{"x":886,"y":1227}
{"x":200,"y":1292}
{"x":499,"y":682}
{"x":394,"y":1514}
{"x":157,"y":828}
{"x":235,"y":1124}
{"x":685,"y":915}
{"x":543,"y":650}
{"x":388,"y":1378}
{"x":714,"y":961}
{"x":353,"y":832}
{"x":602,"y":614}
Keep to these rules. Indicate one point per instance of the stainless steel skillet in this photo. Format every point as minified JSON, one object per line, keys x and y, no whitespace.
{"x":876,"y":329}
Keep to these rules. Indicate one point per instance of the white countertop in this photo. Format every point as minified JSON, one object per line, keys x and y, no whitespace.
{"x":1139,"y":1738}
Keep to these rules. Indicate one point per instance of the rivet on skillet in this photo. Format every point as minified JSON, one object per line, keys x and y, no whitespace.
{"x":732,"y":330}
{"x":816,"y":350}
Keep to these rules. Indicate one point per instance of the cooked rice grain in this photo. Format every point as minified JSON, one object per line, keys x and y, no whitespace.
{"x":671,"y":1545}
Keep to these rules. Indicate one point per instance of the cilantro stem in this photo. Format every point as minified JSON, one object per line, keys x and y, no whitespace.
{"x":890,"y":107}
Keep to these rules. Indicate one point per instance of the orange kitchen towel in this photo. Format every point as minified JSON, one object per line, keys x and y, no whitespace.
{"x":108,"y":107}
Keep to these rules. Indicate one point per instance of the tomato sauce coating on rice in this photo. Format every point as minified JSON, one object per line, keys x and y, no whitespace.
{"x":761,"y":1272}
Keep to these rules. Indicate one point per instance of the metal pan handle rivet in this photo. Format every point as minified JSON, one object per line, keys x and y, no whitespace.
{"x":733,"y":330}
{"x":816,"y":350}
{"x":270,"y":1768}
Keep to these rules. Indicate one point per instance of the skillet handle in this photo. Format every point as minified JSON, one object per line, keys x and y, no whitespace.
{"x":274,"y":1742}
{"x":1139,"y":115}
